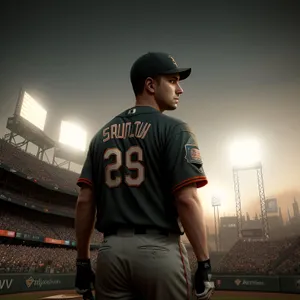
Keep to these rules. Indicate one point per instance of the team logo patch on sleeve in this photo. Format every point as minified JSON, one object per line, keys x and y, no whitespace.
{"x":192,"y":154}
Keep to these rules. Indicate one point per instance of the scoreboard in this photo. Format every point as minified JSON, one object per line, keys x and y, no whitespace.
{"x":252,"y":233}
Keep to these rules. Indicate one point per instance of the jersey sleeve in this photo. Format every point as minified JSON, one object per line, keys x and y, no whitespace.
{"x":183,"y":160}
{"x":86,"y":176}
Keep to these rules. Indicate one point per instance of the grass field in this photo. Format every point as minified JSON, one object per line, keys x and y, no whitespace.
{"x":219,"y":295}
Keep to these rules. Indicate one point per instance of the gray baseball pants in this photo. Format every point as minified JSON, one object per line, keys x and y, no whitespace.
{"x":147,"y":266}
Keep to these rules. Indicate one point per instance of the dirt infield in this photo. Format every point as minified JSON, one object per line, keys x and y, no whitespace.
{"x":37,"y":295}
{"x":219,"y":295}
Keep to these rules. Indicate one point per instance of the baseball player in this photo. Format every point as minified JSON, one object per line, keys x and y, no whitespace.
{"x":139,"y":187}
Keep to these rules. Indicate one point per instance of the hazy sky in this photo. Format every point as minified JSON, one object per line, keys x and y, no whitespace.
{"x":74,"y":57}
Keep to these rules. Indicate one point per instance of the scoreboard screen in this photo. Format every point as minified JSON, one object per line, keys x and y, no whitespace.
{"x":255,"y":233}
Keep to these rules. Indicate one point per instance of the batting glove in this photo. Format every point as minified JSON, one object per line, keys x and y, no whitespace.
{"x":204,"y":288}
{"x":85,"y":279}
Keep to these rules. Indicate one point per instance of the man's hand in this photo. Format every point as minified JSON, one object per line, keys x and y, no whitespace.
{"x":85,"y":279}
{"x":204,"y":288}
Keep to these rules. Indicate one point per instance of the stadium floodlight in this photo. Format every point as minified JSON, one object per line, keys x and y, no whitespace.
{"x":217,"y":197}
{"x":72,"y":135}
{"x":216,"y":203}
{"x":245,"y":153}
{"x":33,"y":112}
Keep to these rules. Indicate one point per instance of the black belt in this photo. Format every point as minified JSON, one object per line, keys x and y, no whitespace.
{"x":136,"y":230}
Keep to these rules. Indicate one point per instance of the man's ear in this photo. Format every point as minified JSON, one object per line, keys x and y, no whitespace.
{"x":150,"y":85}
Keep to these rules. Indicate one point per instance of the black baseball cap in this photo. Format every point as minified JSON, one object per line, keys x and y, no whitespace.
{"x":153,"y":64}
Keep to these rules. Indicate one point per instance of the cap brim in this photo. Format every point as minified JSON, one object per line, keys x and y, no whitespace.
{"x":184,"y":73}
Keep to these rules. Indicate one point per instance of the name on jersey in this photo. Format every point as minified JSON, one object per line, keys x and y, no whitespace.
{"x":135,"y":129}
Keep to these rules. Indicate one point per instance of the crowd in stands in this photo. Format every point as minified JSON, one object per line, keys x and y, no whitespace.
{"x":262,"y":257}
{"x":291,"y":263}
{"x":245,"y":257}
{"x":20,"y":212}
{"x":26,"y":259}
{"x":19,"y":219}
{"x":28,"y":164}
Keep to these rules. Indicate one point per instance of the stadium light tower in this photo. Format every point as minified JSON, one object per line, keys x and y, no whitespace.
{"x":245,"y":155}
{"x":216,"y":203}
{"x":27,"y":125}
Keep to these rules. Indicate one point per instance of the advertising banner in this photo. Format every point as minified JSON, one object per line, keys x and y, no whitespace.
{"x":7,"y":284}
{"x":16,"y":283}
{"x":290,"y":284}
{"x":29,"y":237}
{"x":7,"y":233}
{"x":247,"y":283}
{"x":54,"y":241}
{"x":20,"y":283}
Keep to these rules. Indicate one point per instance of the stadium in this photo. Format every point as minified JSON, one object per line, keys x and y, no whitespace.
{"x":38,"y":248}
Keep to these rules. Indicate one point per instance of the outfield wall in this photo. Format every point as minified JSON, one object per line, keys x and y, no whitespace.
{"x":20,"y":283}
{"x":276,"y":284}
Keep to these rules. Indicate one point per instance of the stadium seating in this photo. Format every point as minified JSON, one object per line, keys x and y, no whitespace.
{"x":43,"y":202}
{"x":28,"y":164}
{"x":26,"y":259}
{"x":290,"y":263}
{"x":252,"y":257}
{"x":19,"y":219}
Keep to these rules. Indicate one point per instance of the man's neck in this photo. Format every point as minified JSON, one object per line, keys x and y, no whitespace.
{"x":140,"y":101}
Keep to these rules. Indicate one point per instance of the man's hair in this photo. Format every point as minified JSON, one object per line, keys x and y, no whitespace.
{"x":139,"y":84}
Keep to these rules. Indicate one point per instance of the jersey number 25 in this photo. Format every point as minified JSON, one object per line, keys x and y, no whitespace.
{"x":129,"y":164}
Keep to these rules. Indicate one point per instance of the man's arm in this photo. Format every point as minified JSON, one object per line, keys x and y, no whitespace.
{"x":84,"y":220}
{"x":191,"y":215}
{"x":185,"y":166}
{"x":185,"y":172}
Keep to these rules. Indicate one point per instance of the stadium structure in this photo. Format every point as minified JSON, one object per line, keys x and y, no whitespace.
{"x":37,"y":204}
{"x":35,"y":192}
{"x":28,"y":123}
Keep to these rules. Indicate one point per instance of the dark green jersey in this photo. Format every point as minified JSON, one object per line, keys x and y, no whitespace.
{"x":135,"y":163}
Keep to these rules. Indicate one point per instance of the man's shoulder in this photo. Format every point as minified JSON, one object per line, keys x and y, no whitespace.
{"x":99,"y":133}
{"x":171,"y":120}
{"x":174,"y":123}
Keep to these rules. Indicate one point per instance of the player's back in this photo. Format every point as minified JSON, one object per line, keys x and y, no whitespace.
{"x":134,"y":187}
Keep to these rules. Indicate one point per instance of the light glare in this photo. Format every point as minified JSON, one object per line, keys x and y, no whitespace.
{"x":33,"y":112}
{"x":245,"y":153}
{"x":72,"y":135}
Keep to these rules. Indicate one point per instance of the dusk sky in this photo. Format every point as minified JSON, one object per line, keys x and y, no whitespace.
{"x":74,"y":58}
